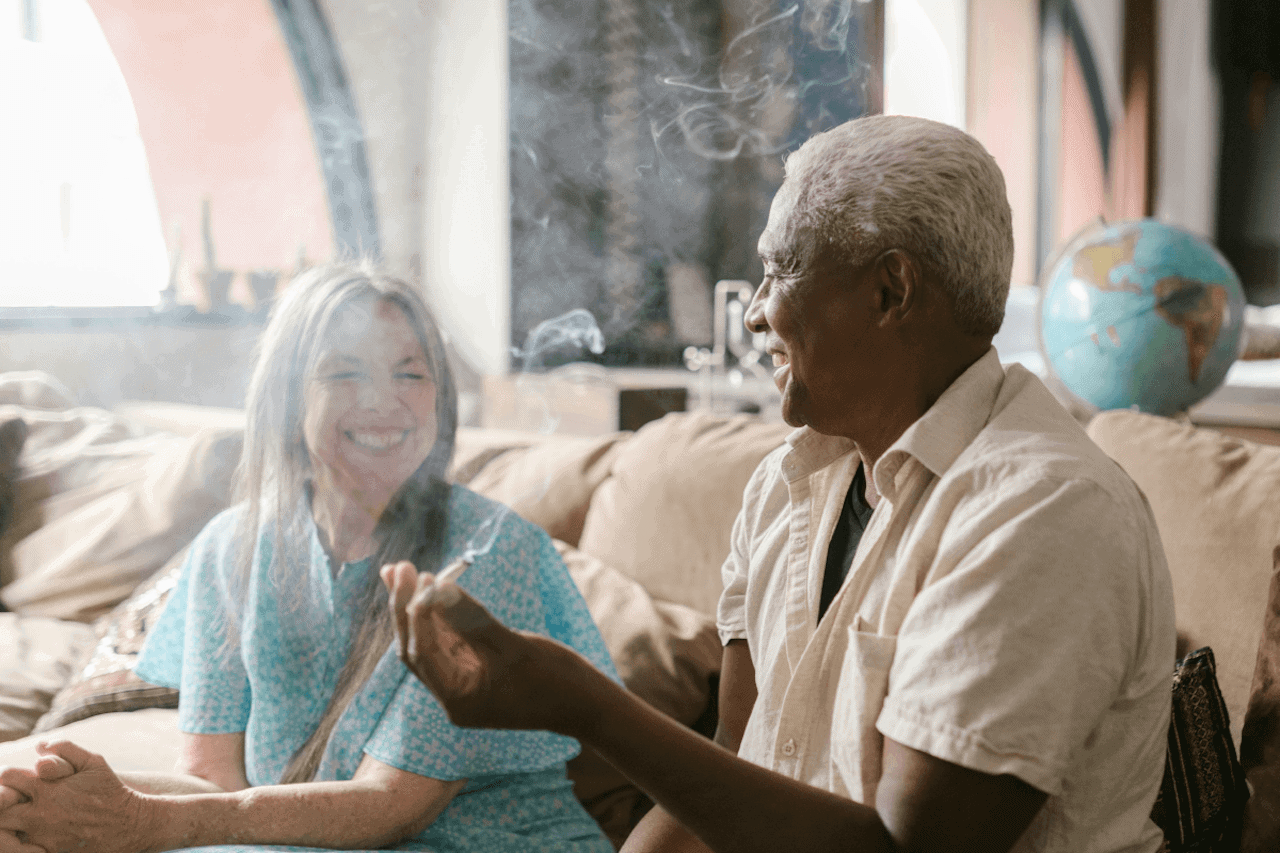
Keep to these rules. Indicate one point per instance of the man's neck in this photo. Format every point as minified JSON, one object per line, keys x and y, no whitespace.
{"x":878,"y":434}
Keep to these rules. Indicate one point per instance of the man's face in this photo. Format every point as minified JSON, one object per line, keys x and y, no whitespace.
{"x":819,"y":323}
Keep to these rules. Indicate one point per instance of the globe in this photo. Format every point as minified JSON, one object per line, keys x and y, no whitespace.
{"x":1140,"y":314}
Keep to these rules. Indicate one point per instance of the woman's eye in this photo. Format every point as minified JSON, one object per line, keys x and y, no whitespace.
{"x":343,"y":376}
{"x":411,"y":376}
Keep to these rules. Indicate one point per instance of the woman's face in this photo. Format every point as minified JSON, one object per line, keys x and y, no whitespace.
{"x":369,"y":407}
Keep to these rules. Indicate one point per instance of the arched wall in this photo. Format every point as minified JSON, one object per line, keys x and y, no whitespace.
{"x":221,"y":116}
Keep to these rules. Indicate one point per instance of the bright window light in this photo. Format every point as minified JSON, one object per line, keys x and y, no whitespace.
{"x":924,"y":67}
{"x":79,"y":227}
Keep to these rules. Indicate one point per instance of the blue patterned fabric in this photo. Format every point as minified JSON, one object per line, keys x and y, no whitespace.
{"x":275,"y":686}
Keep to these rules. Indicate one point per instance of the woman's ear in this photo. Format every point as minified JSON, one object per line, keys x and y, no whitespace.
{"x":898,"y":280}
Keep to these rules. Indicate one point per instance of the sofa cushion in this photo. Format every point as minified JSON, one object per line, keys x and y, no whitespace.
{"x":548,"y":482}
{"x":1260,"y":742}
{"x":1216,"y":501}
{"x":37,"y":658}
{"x":146,"y":741}
{"x":665,"y":514}
{"x":103,"y":535}
{"x":80,"y":449}
{"x":665,"y":654}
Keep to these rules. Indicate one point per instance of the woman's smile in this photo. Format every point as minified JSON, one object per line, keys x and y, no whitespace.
{"x":378,"y":441}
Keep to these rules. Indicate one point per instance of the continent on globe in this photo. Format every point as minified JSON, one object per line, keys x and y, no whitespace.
{"x":1140,"y":314}
{"x":1198,"y":310}
{"x":1093,"y":262}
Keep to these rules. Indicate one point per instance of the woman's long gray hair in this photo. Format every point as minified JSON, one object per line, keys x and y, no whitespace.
{"x":275,"y":470}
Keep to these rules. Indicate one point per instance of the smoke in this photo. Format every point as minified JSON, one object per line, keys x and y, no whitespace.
{"x":646,"y":143}
{"x":576,"y":329}
{"x":571,"y":332}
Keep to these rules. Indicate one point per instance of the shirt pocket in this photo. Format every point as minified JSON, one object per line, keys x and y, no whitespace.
{"x":856,"y":744}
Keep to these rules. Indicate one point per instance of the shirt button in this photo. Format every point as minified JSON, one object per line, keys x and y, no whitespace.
{"x":789,"y":748}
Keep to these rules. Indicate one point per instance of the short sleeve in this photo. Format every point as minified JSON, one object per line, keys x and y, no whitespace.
{"x":186,"y":647}
{"x":567,"y":617}
{"x":731,"y":611}
{"x":1020,"y":640}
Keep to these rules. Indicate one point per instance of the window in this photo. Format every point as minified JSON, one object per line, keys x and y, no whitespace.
{"x":79,"y":226}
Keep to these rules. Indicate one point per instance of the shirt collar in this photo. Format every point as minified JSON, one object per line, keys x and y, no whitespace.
{"x":811,"y":451}
{"x":950,"y":425}
{"x":936,"y":439}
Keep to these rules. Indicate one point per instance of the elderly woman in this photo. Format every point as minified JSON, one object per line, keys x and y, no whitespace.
{"x":300,"y":725}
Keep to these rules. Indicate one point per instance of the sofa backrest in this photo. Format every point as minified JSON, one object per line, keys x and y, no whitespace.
{"x":1216,"y":501}
{"x":665,"y":513}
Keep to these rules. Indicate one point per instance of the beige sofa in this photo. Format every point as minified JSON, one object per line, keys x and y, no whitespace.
{"x":643,"y":520}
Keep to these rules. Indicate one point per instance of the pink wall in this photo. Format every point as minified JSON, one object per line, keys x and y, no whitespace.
{"x":1000,"y":104}
{"x":1082,"y":184}
{"x":221,"y":114}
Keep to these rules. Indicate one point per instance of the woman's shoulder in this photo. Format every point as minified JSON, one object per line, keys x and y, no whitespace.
{"x":220,"y":531}
{"x":470,"y":512}
{"x":464,"y":502}
{"x":485,"y":526}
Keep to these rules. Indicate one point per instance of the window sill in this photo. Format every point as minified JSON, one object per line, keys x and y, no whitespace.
{"x":183,"y":316}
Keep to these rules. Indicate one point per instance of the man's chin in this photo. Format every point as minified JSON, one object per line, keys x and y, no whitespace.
{"x":791,"y":415}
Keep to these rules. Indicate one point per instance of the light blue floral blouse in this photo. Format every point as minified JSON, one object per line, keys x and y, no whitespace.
{"x":276,"y":685}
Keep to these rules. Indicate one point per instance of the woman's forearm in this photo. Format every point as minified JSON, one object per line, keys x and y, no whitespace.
{"x":168,"y":783}
{"x":344,"y":815}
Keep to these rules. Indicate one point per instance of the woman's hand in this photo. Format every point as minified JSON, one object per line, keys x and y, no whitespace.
{"x":485,"y":674}
{"x":47,"y":768}
{"x":71,"y":800}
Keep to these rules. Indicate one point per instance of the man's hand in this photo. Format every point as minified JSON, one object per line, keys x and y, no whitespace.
{"x":71,"y":800}
{"x":485,"y":674}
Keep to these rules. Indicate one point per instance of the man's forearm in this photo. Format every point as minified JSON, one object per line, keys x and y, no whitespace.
{"x":729,"y":803}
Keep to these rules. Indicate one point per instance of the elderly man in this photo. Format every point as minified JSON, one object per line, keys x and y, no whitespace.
{"x":947,"y":619}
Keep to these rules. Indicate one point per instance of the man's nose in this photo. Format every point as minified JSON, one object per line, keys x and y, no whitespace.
{"x":754,"y":319}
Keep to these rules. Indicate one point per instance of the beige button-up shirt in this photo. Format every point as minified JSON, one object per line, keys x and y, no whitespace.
{"x":1008,"y":609}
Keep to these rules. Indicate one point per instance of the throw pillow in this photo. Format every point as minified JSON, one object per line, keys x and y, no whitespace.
{"x":100,"y":539}
{"x":1260,"y":743}
{"x":13,"y":434}
{"x":37,"y":658}
{"x":665,"y":514}
{"x":1214,"y":500}
{"x":34,"y":389}
{"x":105,"y":681}
{"x":1201,"y":800}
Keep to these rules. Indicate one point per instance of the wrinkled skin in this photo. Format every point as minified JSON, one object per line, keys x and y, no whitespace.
{"x":70,"y":800}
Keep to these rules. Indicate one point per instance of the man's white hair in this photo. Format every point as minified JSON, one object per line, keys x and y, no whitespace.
{"x":883,"y":182}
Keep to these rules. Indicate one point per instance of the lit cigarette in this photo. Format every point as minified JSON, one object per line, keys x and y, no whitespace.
{"x":454,"y":570}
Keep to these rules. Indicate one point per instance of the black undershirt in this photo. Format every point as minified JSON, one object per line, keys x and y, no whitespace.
{"x":854,"y":516}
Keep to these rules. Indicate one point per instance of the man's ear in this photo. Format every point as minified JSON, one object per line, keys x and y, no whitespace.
{"x":898,"y":280}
